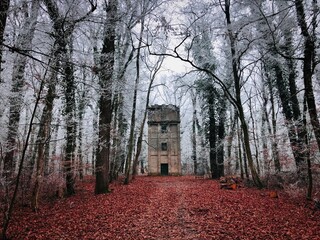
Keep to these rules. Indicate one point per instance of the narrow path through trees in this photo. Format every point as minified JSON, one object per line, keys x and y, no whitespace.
{"x":168,"y":208}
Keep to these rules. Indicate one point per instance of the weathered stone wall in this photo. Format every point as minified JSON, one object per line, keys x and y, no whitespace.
{"x":164,"y":139}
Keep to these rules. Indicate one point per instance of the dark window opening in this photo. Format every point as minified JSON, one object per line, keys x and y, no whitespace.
{"x":164,"y":147}
{"x":164,"y":128}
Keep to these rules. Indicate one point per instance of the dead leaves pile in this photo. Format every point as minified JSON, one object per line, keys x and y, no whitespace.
{"x":168,"y":208}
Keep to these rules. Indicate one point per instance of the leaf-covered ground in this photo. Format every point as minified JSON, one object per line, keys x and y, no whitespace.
{"x":168,"y":208}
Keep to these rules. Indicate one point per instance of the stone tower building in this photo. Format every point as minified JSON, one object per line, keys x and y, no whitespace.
{"x":164,"y":155}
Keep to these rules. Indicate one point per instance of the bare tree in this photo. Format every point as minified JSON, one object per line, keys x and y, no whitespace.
{"x":63,"y":39}
{"x":44,"y":131}
{"x":237,"y":86}
{"x":309,"y":38}
{"x":153,"y":73}
{"x":309,"y":63}
{"x":4,"y":7}
{"x":134,"y":105}
{"x":145,"y":8}
{"x":106,"y":70}
{"x":9,"y":210}
{"x":23,"y":43}
{"x":194,"y":131}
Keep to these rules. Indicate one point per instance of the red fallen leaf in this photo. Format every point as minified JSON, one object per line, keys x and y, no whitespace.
{"x":168,"y":208}
{"x":273,"y":194}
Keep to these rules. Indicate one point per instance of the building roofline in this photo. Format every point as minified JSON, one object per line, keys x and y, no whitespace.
{"x":165,"y":121}
{"x":163,"y":106}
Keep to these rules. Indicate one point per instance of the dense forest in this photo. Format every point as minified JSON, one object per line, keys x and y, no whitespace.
{"x":77,"y":78}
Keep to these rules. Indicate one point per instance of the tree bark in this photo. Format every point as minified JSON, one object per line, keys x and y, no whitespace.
{"x":237,"y":86}
{"x":233,"y":120}
{"x":81,"y":111}
{"x":43,"y":134}
{"x":133,"y":113}
{"x":8,"y":212}
{"x":71,"y":125}
{"x":156,"y":68}
{"x":194,"y":133}
{"x":308,"y":160}
{"x":308,"y":63}
{"x":43,"y":137}
{"x":254,"y":134}
{"x":239,"y":163}
{"x":105,"y":101}
{"x":62,"y":34}
{"x":24,"y":42}
{"x":4,"y":7}
{"x":288,"y":114}
{"x":63,"y":31}
{"x":212,"y":138}
{"x":119,"y":126}
{"x":221,"y":135}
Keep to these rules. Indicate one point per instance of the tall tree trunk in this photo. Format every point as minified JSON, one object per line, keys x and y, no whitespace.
{"x":220,"y":148}
{"x":239,"y":153}
{"x":264,"y":139}
{"x":156,"y":69}
{"x":254,"y":134}
{"x":44,"y":131}
{"x":8,"y":212}
{"x":212,"y":140}
{"x":233,"y":121}
{"x":82,"y":94}
{"x":239,"y":163}
{"x":237,"y":86}
{"x":105,"y":101}
{"x":308,"y":62}
{"x":80,"y":163}
{"x":119,"y":126}
{"x":42,"y":141}
{"x":264,"y":126}
{"x":221,"y":135}
{"x":301,"y":128}
{"x":230,"y":138}
{"x":71,"y":125}
{"x":62,"y":34}
{"x":50,"y":165}
{"x":244,"y":158}
{"x":133,"y":113}
{"x":24,"y":42}
{"x":31,"y":156}
{"x":194,"y":132}
{"x":63,"y":31}
{"x":120,"y":123}
{"x":295,"y":142}
{"x":308,"y":160}
{"x":4,"y":7}
{"x":272,"y":129}
{"x":95,"y":129}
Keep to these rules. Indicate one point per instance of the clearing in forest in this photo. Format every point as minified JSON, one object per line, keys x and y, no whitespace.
{"x":168,"y":208}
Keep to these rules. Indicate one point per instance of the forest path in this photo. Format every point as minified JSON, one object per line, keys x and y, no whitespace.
{"x":168,"y":208}
{"x":167,"y":215}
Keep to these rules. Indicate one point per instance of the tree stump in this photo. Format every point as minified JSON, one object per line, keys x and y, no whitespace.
{"x":229,"y":182}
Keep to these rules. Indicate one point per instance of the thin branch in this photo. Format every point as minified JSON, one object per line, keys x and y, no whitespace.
{"x":176,"y":55}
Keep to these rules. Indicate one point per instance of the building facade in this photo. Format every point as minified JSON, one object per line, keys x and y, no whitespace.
{"x":164,"y":153}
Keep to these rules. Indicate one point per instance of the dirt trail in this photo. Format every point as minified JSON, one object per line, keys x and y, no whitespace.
{"x":169,"y":221}
{"x":184,"y":209}
{"x":168,"y":208}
